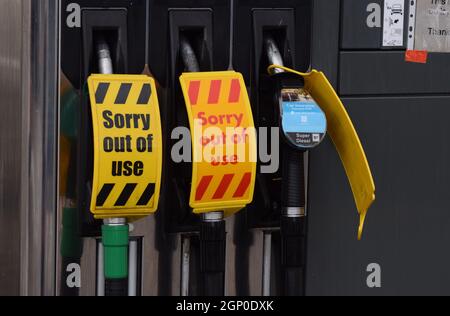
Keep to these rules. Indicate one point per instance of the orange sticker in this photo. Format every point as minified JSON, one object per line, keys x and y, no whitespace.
{"x":416,"y":56}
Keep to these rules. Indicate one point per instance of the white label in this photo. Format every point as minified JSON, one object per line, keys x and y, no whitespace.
{"x":432,"y":31}
{"x":394,"y":23}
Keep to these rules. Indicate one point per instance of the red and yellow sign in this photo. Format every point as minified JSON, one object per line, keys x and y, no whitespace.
{"x":224,"y":141}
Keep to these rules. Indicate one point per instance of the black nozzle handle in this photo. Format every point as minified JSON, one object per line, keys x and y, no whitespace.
{"x":293,"y":238}
{"x":116,"y":287}
{"x":293,"y":178}
{"x":212,"y":257}
{"x":293,"y":223}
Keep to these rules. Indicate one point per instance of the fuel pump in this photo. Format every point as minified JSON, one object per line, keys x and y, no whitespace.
{"x":222,"y":182}
{"x":304,"y":108}
{"x":303,"y":125}
{"x":212,"y":226}
{"x":127,"y":160}
{"x":310,"y":88}
{"x":198,"y":194}
{"x":115,"y":231}
{"x":111,"y":151}
{"x":308,"y":107}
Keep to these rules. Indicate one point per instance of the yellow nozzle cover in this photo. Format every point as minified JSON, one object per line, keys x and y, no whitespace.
{"x":224,"y":150}
{"x":344,"y":137}
{"x":128,"y":152}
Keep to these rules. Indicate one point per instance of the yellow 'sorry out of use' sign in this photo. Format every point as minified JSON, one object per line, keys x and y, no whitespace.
{"x":127,"y":146}
{"x":223,"y":139}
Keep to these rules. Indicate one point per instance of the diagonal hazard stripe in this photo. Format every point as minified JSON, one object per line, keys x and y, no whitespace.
{"x":146,"y":92}
{"x":101,"y":92}
{"x":202,"y":187}
{"x":223,"y":187}
{"x":123,"y":94}
{"x":194,"y":92}
{"x":126,"y":194}
{"x":243,"y":186}
{"x":214,"y":91}
{"x":147,"y":195}
{"x":235,"y":91}
{"x":104,"y":194}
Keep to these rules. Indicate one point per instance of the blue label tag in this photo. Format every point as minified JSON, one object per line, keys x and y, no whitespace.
{"x":303,"y":122}
{"x":303,"y":117}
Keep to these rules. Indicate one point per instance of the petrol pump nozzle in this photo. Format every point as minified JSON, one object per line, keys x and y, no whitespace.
{"x":115,"y":231}
{"x":293,"y":219}
{"x":273,"y":53}
{"x":303,"y":127}
{"x":212,"y":226}
{"x":212,"y":253}
{"x":190,"y":60}
{"x":105,"y":65}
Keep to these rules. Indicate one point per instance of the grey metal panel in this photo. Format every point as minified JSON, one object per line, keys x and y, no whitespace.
{"x":356,"y":34}
{"x":39,"y":150}
{"x":28,"y":63}
{"x":375,"y":73}
{"x":407,"y":230}
{"x":355,"y":31}
{"x":10,"y":145}
{"x":28,"y":77}
{"x":325,"y":39}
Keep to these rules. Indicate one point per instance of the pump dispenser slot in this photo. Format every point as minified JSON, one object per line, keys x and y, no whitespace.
{"x":288,"y":26}
{"x":277,"y":26}
{"x":120,"y":27}
{"x":193,"y":27}
{"x":112,"y":26}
